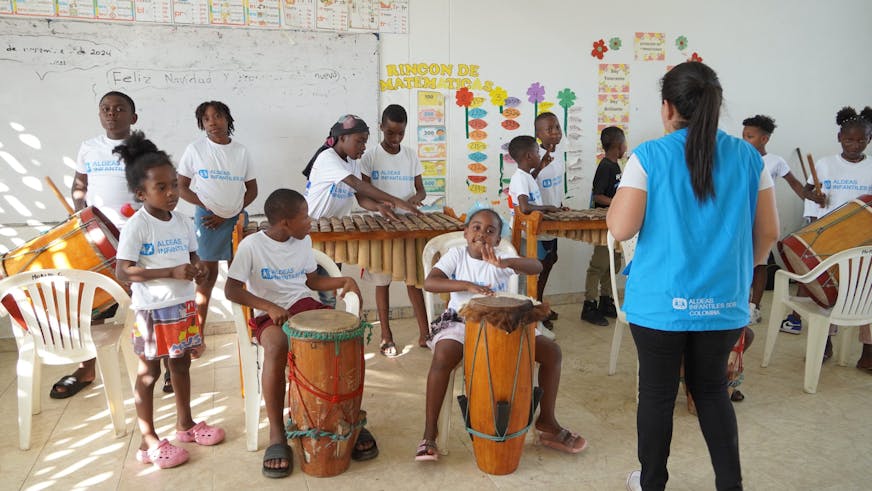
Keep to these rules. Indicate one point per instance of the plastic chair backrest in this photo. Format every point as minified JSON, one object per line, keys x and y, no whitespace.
{"x":628,"y":249}
{"x":352,"y":301}
{"x":56,"y":307}
{"x":854,"y":301}
{"x":442,"y":244}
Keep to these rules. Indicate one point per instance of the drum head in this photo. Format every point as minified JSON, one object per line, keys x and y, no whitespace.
{"x":500,"y":301}
{"x":324,"y":320}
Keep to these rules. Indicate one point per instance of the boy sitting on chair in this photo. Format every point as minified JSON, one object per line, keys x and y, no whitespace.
{"x":278,"y":268}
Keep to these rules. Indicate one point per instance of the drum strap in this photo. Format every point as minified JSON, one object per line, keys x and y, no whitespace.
{"x":501,"y":407}
{"x":316,"y":433}
{"x":295,"y":376}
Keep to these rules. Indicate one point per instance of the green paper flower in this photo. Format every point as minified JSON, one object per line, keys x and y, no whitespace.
{"x":681,"y":43}
{"x":615,"y":44}
{"x":566,"y":98}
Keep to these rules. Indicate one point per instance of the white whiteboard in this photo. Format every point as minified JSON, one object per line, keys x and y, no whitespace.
{"x":284,"y":88}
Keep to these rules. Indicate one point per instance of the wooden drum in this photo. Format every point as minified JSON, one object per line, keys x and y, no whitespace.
{"x":326,"y":375}
{"x":849,"y":225}
{"x":499,"y":353}
{"x":87,"y":240}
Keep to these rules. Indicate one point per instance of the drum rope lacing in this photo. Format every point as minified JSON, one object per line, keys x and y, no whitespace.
{"x":809,"y":251}
{"x":334,"y":398}
{"x":522,"y":431}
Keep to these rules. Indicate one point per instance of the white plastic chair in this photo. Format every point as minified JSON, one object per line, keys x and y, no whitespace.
{"x":628,"y":248}
{"x":442,"y":244}
{"x":853,"y":308}
{"x":251,"y":354}
{"x":56,"y":307}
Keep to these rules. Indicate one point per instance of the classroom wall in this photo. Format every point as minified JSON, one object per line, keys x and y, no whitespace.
{"x":798,"y":61}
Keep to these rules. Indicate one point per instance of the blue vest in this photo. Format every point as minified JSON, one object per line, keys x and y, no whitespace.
{"x":694,"y":261}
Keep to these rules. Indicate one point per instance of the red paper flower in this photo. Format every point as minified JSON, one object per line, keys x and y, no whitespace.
{"x":599,"y":49}
{"x":464,"y":97}
{"x":695,"y":57}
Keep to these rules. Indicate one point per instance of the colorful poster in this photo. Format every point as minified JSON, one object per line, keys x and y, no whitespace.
{"x":364,"y":14}
{"x":431,"y":134}
{"x":650,"y":46}
{"x":394,"y":16}
{"x":5,"y":7}
{"x":434,"y":185}
{"x":264,"y":13}
{"x":613,"y":108}
{"x":41,"y":8}
{"x":299,"y":14}
{"x":331,"y":15}
{"x":433,"y":168}
{"x":191,"y":11}
{"x":227,"y":12}
{"x":614,"y":78}
{"x":76,"y":9}
{"x":432,"y":151}
{"x":115,"y":9}
{"x":154,"y":11}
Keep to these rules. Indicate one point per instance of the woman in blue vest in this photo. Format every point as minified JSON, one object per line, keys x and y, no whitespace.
{"x":704,"y":210}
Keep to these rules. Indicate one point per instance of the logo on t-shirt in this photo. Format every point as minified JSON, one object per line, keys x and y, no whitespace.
{"x":280,"y":274}
{"x":551,"y":182}
{"x":374,"y":175}
{"x":147,"y":249}
{"x":203,"y":173}
{"x":679,"y":303}
{"x":219,"y":175}
{"x":103,"y":167}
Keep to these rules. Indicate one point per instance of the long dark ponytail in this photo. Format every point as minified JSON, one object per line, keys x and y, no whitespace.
{"x":695,"y":91}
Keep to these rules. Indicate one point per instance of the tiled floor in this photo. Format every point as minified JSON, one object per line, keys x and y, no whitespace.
{"x":789,"y":439}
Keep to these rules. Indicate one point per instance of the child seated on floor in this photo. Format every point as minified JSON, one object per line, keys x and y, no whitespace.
{"x":476,"y":269}
{"x":277,"y":266}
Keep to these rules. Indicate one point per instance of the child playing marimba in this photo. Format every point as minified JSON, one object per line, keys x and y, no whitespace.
{"x":477,"y":269}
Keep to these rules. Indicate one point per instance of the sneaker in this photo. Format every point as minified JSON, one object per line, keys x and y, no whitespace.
{"x":633,"y":481}
{"x":590,"y":313}
{"x":607,"y":307}
{"x":791,"y":324}
{"x":756,"y":316}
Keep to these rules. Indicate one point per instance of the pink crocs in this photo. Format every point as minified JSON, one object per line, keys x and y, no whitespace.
{"x":202,"y":434}
{"x":163,"y":456}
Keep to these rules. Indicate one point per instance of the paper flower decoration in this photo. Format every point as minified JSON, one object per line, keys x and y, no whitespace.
{"x":599,"y":49}
{"x":695,"y":57}
{"x":464,"y":99}
{"x":615,"y":44}
{"x":498,"y":97}
{"x":566,"y":99}
{"x":681,"y":43}
{"x":536,"y":93}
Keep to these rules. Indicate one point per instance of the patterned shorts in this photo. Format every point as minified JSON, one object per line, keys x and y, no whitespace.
{"x":168,"y":331}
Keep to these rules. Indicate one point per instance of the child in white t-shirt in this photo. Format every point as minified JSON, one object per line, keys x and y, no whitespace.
{"x":277,"y":267}
{"x":550,"y":175}
{"x":99,"y":180}
{"x":477,"y":270}
{"x":396,"y":170}
{"x":157,"y":253}
{"x":216,"y":174}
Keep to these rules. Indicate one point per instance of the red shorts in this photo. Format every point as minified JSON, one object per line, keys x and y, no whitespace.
{"x":261,"y":322}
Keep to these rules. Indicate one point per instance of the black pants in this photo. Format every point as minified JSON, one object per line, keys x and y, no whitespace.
{"x":705,"y":371}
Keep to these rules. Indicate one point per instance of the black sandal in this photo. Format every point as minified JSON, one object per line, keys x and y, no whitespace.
{"x":278,"y":451}
{"x":71,"y":385}
{"x":168,"y":384}
{"x":360,"y":454}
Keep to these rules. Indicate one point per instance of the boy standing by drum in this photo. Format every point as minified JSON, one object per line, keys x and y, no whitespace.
{"x":99,"y":180}
{"x":277,"y":267}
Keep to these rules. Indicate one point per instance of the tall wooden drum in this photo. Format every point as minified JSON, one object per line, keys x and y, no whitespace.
{"x":849,"y":225}
{"x":499,"y":353}
{"x":326,"y":375}
{"x":87,"y":240}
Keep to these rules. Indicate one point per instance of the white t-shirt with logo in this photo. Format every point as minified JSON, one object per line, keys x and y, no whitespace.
{"x":776,"y":166}
{"x":522,"y":183}
{"x":156,"y":244}
{"x":550,"y":179}
{"x":107,"y":185}
{"x":326,"y":194}
{"x":272,"y":270}
{"x":841,"y":181}
{"x":457,"y":264}
{"x":218,"y":174}
{"x":392,"y":173}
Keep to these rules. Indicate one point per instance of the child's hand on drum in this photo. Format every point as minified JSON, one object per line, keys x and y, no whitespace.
{"x":479,"y":289}
{"x":349,"y":286}
{"x":277,"y":314}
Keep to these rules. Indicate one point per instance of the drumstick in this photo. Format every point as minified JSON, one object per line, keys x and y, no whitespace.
{"x":814,"y":177}
{"x":59,"y":196}
{"x":802,"y":165}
